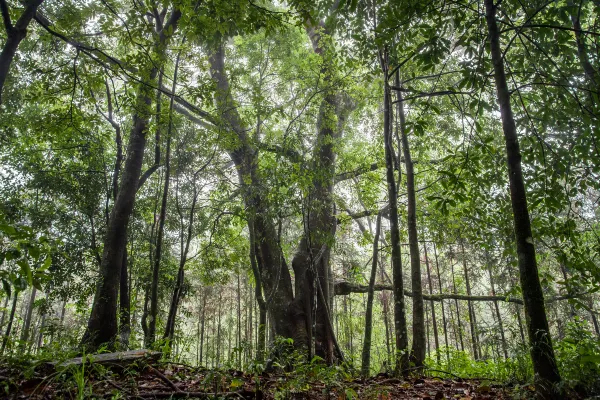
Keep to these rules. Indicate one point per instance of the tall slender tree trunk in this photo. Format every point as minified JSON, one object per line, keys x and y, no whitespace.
{"x":366,"y":352}
{"x":418,"y":327}
{"x":385,"y":305}
{"x":542,"y":352}
{"x":4,"y":310}
{"x":202,"y":323}
{"x":11,"y":318}
{"x":498,"y":316}
{"x":27,"y":321}
{"x":40,"y":339}
{"x":472,"y":319}
{"x":439,"y":276}
{"x":459,"y":323}
{"x":400,"y":329}
{"x":159,"y":246}
{"x":218,"y":353}
{"x":14,"y":35}
{"x":432,"y":305}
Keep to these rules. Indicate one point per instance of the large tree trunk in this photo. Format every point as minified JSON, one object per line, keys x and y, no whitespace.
{"x":288,"y":321}
{"x":14,"y":35}
{"x":102,"y":324}
{"x":542,"y":352}
{"x":366,"y":352}
{"x":124,"y":304}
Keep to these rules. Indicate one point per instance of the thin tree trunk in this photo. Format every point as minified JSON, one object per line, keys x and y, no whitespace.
{"x":385,"y":307}
{"x":239,"y":323}
{"x":432,"y":305}
{"x":202,"y":323}
{"x":366,"y":352}
{"x":459,"y":323}
{"x":439,"y":276}
{"x":498,"y":316}
{"x":11,"y":318}
{"x":27,"y":322}
{"x":542,"y":352}
{"x":4,"y":310}
{"x":40,"y":339}
{"x":218,"y":354}
{"x":15,"y":34}
{"x":472,"y":321}
{"x":418,"y":327}
{"x":159,"y":245}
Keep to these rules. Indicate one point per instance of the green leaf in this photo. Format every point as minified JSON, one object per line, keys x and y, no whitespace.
{"x":26,"y":270}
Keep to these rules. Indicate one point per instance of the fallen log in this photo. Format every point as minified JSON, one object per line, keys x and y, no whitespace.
{"x":122,"y":358}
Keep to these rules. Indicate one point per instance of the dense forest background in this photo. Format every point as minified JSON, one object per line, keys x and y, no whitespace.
{"x":393,"y":186}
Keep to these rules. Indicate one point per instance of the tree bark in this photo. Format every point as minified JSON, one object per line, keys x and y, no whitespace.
{"x":14,"y":35}
{"x":124,"y":304}
{"x":366,"y":352}
{"x":542,"y":352}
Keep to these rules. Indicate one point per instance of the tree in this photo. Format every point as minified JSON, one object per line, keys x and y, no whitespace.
{"x":14,"y":35}
{"x":542,"y":352}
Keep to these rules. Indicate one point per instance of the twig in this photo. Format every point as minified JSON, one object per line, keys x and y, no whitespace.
{"x":165,"y":379}
{"x":180,"y":394}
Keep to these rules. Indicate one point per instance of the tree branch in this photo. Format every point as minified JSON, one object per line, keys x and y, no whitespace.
{"x":5,"y":16}
{"x":344,"y":288}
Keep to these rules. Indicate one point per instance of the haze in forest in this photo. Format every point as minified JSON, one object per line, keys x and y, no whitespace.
{"x":368,"y":187}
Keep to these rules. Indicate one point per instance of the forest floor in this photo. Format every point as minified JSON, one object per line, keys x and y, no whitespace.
{"x":165,"y":381}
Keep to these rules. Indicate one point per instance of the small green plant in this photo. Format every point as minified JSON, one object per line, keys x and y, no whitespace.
{"x":578,"y":357}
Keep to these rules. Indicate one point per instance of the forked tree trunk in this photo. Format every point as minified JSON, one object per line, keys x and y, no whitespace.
{"x":102,"y":325}
{"x":400,"y":330}
{"x":542,"y":352}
